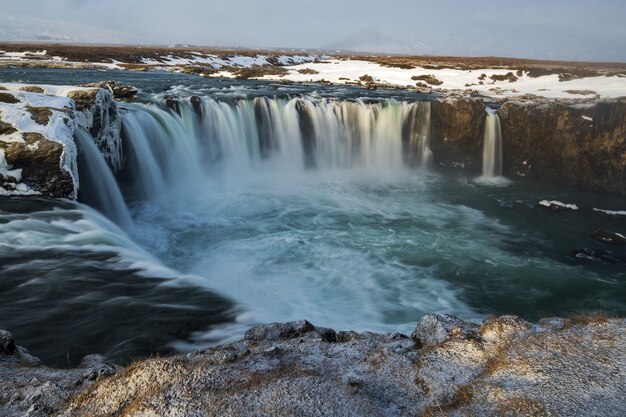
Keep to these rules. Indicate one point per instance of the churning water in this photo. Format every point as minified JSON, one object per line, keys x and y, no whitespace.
{"x":265,"y":202}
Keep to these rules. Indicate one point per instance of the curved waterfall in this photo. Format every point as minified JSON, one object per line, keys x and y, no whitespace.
{"x":207,"y":136}
{"x":492,"y":146}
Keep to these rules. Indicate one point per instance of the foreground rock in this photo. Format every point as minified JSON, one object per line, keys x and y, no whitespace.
{"x":505,"y":366}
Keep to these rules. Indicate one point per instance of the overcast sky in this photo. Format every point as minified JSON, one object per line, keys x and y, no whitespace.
{"x":551,"y":29}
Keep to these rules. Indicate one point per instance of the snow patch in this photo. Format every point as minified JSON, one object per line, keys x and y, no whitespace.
{"x":549,"y":86}
{"x":611,"y":212}
{"x":548,"y":203}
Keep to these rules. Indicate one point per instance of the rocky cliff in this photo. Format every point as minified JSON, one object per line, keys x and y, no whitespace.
{"x":446,"y":367}
{"x":574,"y":143}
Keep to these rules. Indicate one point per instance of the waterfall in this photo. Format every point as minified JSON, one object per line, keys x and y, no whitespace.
{"x":492,"y":146}
{"x":239,"y":137}
{"x":206,"y":137}
{"x":417,"y":133}
{"x":98,"y":187}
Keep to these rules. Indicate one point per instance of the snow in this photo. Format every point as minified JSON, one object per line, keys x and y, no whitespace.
{"x":208,"y":59}
{"x":547,"y":86}
{"x":548,"y":203}
{"x":11,"y":56}
{"x":611,"y":212}
{"x":589,"y":119}
{"x":298,"y":59}
{"x":233,"y":60}
{"x":60,"y":127}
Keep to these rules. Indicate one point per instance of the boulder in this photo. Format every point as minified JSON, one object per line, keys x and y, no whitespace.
{"x":7,"y":344}
{"x":435,"y":329}
{"x":609,"y":237}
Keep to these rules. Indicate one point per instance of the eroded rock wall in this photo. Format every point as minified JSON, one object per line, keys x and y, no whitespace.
{"x":575,"y":144}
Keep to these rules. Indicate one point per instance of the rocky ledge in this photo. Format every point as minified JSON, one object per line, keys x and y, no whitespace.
{"x":446,"y":367}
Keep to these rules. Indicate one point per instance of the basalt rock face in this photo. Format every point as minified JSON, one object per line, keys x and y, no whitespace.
{"x":456,"y":132}
{"x":504,"y":366}
{"x":574,"y":144}
{"x":579,"y":145}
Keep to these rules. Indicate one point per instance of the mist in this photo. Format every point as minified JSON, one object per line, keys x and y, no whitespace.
{"x":557,"y":29}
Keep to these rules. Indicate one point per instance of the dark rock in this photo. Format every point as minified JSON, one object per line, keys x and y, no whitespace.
{"x":8,"y":98}
{"x":119,"y":91}
{"x":428,"y":79}
{"x":7,"y":344}
{"x":327,"y":335}
{"x":457,"y":132}
{"x":196,"y":104}
{"x":173,"y":104}
{"x":598,"y":255}
{"x":40,"y":166}
{"x":552,"y":141}
{"x":278,"y":331}
{"x":32,"y":89}
{"x":609,"y":237}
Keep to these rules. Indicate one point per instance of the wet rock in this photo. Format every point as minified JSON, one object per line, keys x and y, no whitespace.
{"x":172,"y":103}
{"x":598,"y":255}
{"x":457,"y":132}
{"x":555,"y":142}
{"x":196,"y":104}
{"x":609,"y":237}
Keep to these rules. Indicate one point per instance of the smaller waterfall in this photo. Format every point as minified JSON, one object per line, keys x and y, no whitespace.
{"x":492,"y":146}
{"x":98,"y":187}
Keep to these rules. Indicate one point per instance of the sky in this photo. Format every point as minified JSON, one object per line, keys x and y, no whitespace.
{"x":543,"y":29}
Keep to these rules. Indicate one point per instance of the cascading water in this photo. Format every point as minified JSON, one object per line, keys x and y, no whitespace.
{"x":98,"y":187}
{"x":492,"y":146}
{"x":289,"y":135}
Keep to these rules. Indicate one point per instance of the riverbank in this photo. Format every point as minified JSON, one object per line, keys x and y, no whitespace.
{"x":502,"y":367}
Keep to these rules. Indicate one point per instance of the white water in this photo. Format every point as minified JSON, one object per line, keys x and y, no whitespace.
{"x":243,"y":137}
{"x":492,"y":146}
{"x":97,"y":184}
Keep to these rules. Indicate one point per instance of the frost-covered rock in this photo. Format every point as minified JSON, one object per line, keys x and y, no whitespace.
{"x":97,"y":112}
{"x":557,"y":367}
{"x":38,"y":154}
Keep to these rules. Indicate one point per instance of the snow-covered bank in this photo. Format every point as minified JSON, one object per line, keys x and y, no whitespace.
{"x":488,"y":77}
{"x":489,"y":82}
{"x":37,"y":125}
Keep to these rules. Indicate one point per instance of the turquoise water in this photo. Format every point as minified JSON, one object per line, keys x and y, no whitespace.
{"x":349,"y":247}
